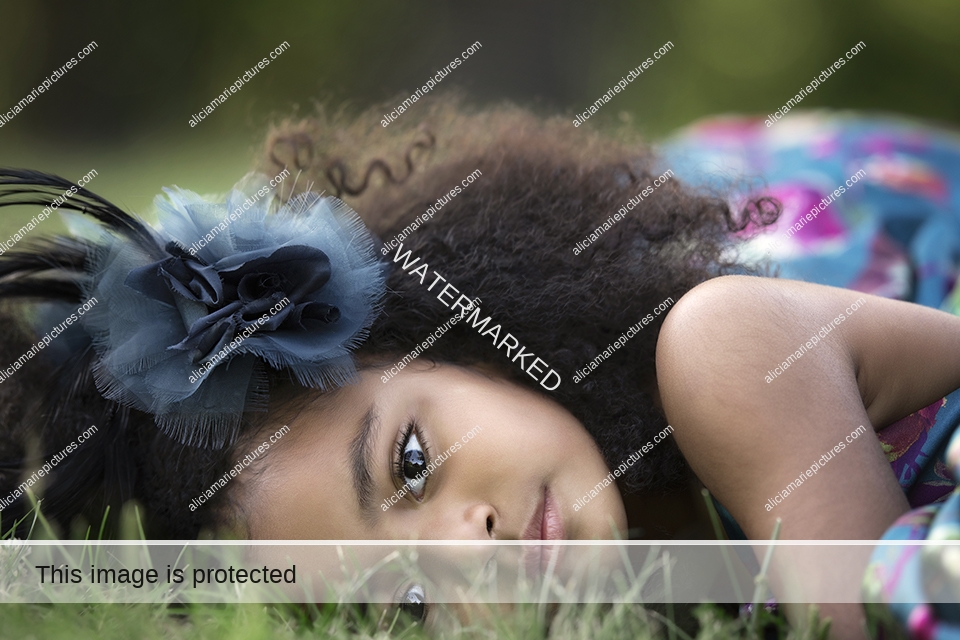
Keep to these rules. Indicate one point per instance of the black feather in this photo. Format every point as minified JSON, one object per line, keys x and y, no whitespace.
{"x":25,"y":187}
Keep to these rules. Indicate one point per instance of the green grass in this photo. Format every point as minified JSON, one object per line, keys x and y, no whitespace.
{"x":255,"y":621}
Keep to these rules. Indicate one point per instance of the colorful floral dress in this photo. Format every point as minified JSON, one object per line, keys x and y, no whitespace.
{"x":870,"y":204}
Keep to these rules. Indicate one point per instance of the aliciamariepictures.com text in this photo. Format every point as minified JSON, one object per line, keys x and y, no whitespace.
{"x":621,"y":468}
{"x":45,"y":341}
{"x":47,"y":467}
{"x":237,"y":469}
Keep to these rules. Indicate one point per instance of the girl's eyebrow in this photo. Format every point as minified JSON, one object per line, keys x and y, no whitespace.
{"x":361,"y":453}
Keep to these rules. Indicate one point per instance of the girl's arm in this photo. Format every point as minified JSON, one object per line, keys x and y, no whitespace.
{"x":749,"y":434}
{"x":748,"y":438}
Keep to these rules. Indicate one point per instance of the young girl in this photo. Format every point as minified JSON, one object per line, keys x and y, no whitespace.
{"x":592,"y":305}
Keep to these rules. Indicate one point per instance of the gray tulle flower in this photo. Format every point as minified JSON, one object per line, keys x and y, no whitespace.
{"x":184,"y":329}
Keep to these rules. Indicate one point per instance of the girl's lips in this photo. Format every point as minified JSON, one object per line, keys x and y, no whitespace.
{"x":546,"y":524}
{"x":534,"y":528}
{"x":552,"y":526}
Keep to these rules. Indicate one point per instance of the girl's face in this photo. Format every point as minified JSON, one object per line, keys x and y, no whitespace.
{"x":437,"y":452}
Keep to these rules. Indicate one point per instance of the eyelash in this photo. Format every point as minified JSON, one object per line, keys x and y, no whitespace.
{"x":411,"y":429}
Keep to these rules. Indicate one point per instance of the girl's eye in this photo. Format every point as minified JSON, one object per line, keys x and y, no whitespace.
{"x":412,"y":464}
{"x":414,"y":603}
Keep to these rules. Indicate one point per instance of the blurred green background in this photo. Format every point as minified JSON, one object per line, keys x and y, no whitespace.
{"x":124,"y":110}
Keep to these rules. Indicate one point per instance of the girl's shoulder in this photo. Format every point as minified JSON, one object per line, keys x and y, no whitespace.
{"x":760,"y":377}
{"x":761,"y":331}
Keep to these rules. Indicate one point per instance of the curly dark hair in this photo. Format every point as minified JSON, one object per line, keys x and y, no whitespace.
{"x":507,"y":238}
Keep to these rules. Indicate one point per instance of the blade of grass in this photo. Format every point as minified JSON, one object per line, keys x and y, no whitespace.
{"x":721,"y":535}
{"x":668,"y":580}
{"x":667,"y":621}
{"x":761,"y":580}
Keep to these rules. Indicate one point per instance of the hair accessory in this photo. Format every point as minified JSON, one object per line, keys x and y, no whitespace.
{"x":186,"y":334}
